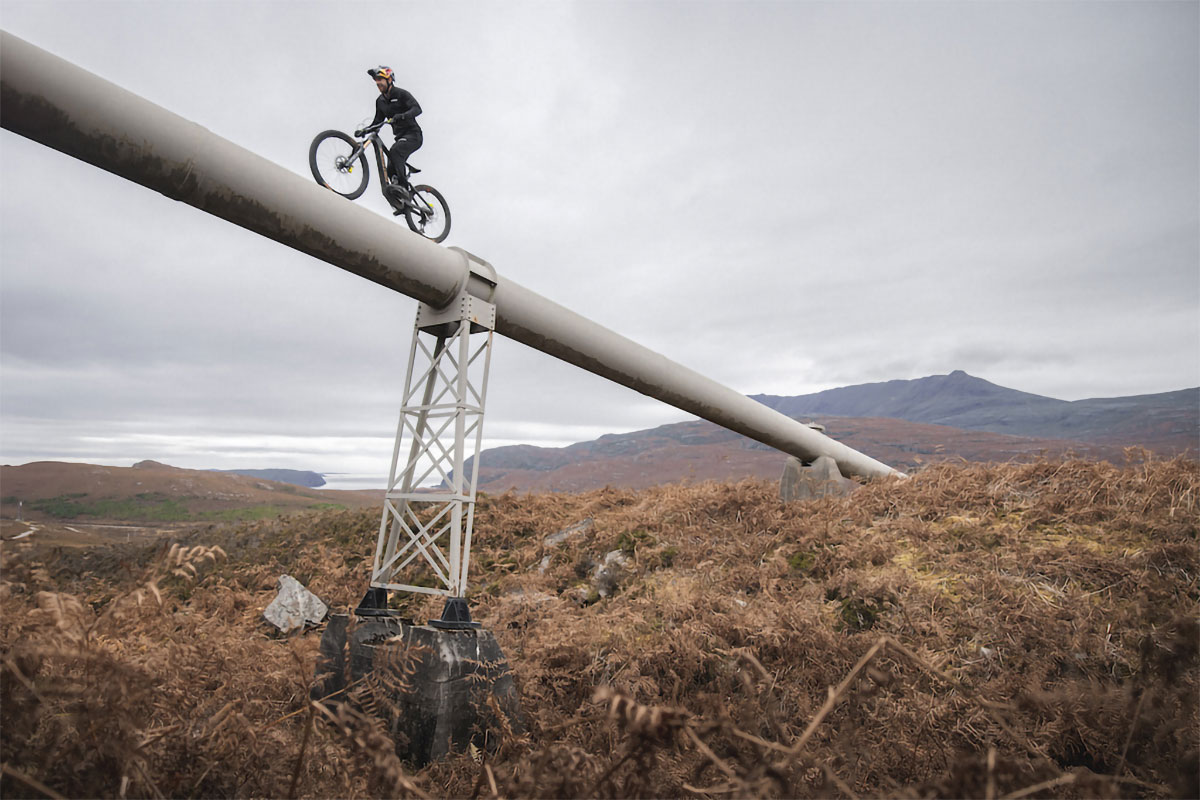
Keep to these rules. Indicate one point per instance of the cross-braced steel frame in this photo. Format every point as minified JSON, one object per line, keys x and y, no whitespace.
{"x":425,"y":533}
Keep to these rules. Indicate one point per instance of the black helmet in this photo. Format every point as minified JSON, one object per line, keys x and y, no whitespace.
{"x":382,"y":72}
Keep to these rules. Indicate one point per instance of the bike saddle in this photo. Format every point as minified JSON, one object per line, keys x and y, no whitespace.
{"x":413,"y":169}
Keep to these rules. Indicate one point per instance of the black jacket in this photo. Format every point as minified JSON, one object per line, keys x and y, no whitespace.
{"x":402,"y":107}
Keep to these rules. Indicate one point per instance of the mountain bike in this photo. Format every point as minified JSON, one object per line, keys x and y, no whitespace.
{"x":339,"y":163}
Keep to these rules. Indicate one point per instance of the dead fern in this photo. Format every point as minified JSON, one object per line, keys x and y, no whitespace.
{"x":1002,"y":630}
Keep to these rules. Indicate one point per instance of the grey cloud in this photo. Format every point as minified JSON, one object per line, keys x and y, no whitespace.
{"x":786,"y":197}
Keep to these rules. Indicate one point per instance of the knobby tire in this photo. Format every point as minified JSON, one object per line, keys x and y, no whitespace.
{"x":322,"y":155}
{"x":437,"y":227}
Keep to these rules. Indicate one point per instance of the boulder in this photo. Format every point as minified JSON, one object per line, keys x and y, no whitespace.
{"x":294,"y":606}
{"x":610,"y":572}
{"x":555,"y":539}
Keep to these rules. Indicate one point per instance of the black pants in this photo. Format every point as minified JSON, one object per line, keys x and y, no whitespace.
{"x":404,"y":147}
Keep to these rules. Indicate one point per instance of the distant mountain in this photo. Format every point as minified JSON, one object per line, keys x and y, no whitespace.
{"x":150,"y":491}
{"x":1168,"y":422}
{"x":687,"y":452}
{"x":296,"y":477}
{"x":903,"y":423}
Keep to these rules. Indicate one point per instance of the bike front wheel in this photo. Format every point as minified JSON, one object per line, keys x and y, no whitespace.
{"x":338,"y":162}
{"x":428,"y":213}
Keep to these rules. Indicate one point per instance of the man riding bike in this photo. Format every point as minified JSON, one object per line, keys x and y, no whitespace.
{"x":403,"y":109}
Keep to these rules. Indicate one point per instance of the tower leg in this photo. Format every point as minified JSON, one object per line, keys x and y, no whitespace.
{"x":429,"y":507}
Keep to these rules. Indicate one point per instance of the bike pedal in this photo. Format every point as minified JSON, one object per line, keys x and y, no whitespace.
{"x":397,"y":213}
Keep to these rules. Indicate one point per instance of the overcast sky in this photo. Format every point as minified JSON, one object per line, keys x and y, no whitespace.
{"x":784,"y":196}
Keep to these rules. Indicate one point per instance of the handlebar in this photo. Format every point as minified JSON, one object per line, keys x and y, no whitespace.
{"x":361,"y":132}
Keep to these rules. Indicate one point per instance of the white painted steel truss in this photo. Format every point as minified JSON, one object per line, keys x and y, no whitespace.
{"x":425,"y":535}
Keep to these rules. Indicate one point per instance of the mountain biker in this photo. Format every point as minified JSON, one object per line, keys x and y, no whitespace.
{"x":403,"y":109}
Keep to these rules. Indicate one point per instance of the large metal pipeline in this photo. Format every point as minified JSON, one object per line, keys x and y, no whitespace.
{"x":60,"y":105}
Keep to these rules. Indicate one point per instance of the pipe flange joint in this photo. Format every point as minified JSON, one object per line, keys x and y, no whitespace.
{"x":479,"y":277}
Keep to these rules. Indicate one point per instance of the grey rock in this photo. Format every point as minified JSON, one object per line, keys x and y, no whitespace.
{"x":555,"y":539}
{"x":294,"y":606}
{"x":437,"y":683}
{"x":610,"y":572}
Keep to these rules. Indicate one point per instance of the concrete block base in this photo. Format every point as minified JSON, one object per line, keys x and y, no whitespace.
{"x":430,"y":686}
{"x":822,"y":478}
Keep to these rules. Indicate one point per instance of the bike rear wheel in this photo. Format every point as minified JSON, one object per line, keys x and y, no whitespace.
{"x":329,"y":158}
{"x":428,"y":213}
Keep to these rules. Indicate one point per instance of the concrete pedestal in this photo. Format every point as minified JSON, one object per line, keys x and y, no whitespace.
{"x":819,"y":479}
{"x":435,"y":683}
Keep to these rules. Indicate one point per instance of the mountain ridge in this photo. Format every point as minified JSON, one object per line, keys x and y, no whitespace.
{"x":964,"y":401}
{"x":296,"y":477}
{"x":995,"y":423}
{"x":150,"y":490}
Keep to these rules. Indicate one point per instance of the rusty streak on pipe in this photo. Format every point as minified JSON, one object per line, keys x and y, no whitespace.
{"x":65,"y":107}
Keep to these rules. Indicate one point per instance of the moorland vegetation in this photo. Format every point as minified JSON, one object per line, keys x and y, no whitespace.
{"x":978,"y":630}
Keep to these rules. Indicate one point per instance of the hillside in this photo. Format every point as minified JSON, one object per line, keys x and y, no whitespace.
{"x":154,"y":492}
{"x":1168,"y":423}
{"x":698,"y":450}
{"x":974,"y":631}
{"x":296,"y":477}
{"x":905,"y":424}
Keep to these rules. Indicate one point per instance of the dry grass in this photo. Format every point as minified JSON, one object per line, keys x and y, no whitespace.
{"x":976,"y":631}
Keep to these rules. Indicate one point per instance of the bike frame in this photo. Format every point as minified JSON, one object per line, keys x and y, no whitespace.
{"x":380,"y":157}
